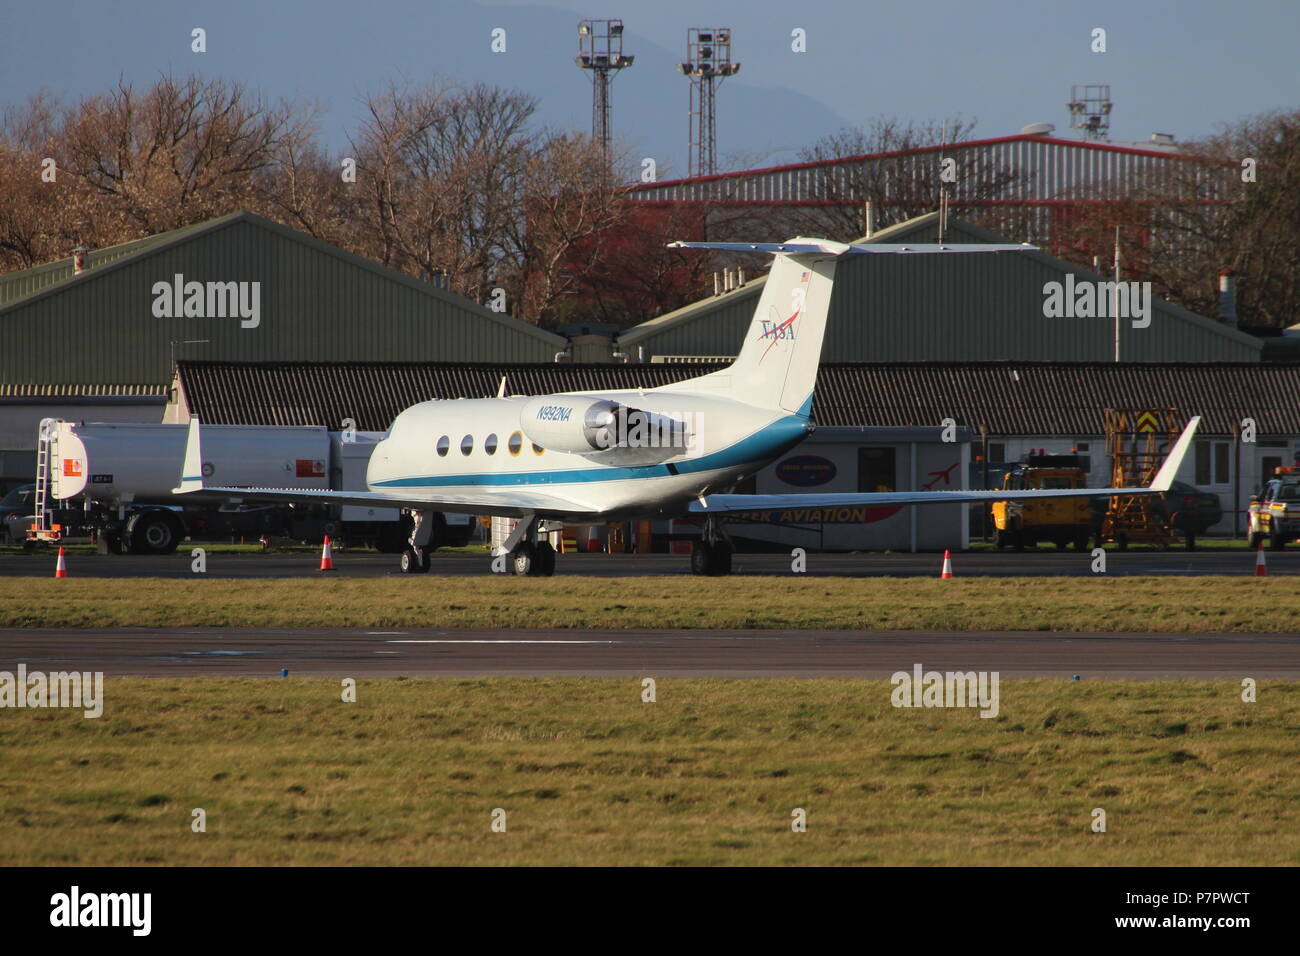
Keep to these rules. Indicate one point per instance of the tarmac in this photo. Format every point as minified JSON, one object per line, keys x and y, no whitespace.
{"x":359,"y":653}
{"x":1042,"y":563}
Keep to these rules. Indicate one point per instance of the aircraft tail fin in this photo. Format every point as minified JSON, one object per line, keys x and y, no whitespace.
{"x":192,"y":469}
{"x":778,"y":361}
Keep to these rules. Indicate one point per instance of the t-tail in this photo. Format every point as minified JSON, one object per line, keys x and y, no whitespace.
{"x":777,"y":364}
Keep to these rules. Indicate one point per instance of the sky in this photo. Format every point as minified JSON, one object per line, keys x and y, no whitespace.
{"x":1175,"y":66}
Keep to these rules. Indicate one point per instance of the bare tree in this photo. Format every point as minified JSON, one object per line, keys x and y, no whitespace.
{"x":181,"y":152}
{"x":1229,"y":201}
{"x":444,"y":170}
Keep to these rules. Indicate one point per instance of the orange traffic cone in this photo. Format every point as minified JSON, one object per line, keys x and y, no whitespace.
{"x":61,"y":568}
{"x":1261,"y":568}
{"x":326,"y":557}
{"x":947,"y":565}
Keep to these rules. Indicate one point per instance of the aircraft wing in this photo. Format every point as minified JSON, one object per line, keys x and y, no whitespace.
{"x":721,"y":504}
{"x":490,"y":501}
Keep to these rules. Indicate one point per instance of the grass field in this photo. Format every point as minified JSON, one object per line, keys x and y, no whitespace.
{"x":709,"y":774}
{"x":1244,"y":604}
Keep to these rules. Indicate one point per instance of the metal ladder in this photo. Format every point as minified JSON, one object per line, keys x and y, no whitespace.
{"x":42,"y":528}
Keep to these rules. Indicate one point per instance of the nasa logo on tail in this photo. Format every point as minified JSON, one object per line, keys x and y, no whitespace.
{"x":777,"y":329}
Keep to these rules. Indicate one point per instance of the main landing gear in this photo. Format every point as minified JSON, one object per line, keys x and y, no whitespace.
{"x":712,"y":553}
{"x":526,"y":552}
{"x":533,"y":560}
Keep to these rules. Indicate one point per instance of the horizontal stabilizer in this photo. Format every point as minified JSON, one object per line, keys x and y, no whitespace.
{"x":826,"y":247}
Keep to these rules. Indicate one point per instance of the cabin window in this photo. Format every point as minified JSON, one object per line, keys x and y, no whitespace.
{"x":537,"y":449}
{"x":443,"y":444}
{"x":516,"y":443}
{"x":467,"y":444}
{"x":490,"y":444}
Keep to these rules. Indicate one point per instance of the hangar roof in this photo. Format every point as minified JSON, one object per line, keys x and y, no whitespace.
{"x":317,"y":302}
{"x":1009,"y":398}
{"x":1052,"y":168}
{"x":958,"y":308}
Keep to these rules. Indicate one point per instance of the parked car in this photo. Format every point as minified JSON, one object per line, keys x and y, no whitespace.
{"x":17,"y":511}
{"x":1192,"y":511}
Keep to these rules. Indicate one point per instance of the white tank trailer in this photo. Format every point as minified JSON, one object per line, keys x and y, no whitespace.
{"x":122,"y":476}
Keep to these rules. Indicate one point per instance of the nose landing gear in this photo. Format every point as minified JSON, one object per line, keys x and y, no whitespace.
{"x":415,"y":558}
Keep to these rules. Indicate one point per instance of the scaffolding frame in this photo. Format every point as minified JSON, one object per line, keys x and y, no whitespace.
{"x":1137,"y":441}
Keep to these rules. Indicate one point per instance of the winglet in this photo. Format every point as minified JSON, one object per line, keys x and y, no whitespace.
{"x":192,"y":469}
{"x":1164,"y":479}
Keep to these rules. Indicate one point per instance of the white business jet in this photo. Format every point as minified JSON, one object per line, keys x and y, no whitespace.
{"x":658,"y":452}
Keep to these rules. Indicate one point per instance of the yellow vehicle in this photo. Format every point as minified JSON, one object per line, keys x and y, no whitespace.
{"x":1060,"y":520}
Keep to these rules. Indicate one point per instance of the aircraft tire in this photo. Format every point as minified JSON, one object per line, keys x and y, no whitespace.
{"x":713,"y":560}
{"x":702,"y":558}
{"x":523,"y":560}
{"x":544,"y":560}
{"x":411,"y":563}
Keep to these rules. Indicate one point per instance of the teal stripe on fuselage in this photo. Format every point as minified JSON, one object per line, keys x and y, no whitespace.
{"x":770,"y":441}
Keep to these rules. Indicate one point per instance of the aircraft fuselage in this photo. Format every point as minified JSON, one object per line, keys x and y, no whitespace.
{"x":689,"y":446}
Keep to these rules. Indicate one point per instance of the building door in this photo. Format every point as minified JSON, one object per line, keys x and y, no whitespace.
{"x":1269,"y":461}
{"x":876,"y":469}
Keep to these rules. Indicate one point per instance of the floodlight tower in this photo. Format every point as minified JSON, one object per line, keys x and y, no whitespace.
{"x":1090,"y":110}
{"x":600,"y":52}
{"x":708,"y":62}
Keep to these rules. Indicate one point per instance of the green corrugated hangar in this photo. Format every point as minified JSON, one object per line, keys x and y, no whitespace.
{"x":947,"y":309}
{"x":101,"y":345}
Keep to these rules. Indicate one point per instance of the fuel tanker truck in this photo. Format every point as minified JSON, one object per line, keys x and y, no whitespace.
{"x":115,"y":481}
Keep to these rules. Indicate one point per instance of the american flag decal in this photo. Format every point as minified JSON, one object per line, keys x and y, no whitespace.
{"x":804,"y":277}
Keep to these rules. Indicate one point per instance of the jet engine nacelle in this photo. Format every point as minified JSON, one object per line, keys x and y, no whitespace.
{"x":575,"y":425}
{"x":586,"y":426}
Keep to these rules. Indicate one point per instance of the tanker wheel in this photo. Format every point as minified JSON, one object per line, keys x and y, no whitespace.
{"x":155,"y":532}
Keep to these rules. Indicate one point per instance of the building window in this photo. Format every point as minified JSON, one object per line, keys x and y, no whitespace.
{"x":876,"y":469}
{"x":490,"y":444}
{"x":1221,"y":470}
{"x":443,"y":444}
{"x":997,"y":451}
{"x":467,"y":444}
{"x":516,"y":443}
{"x":1212,"y":463}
